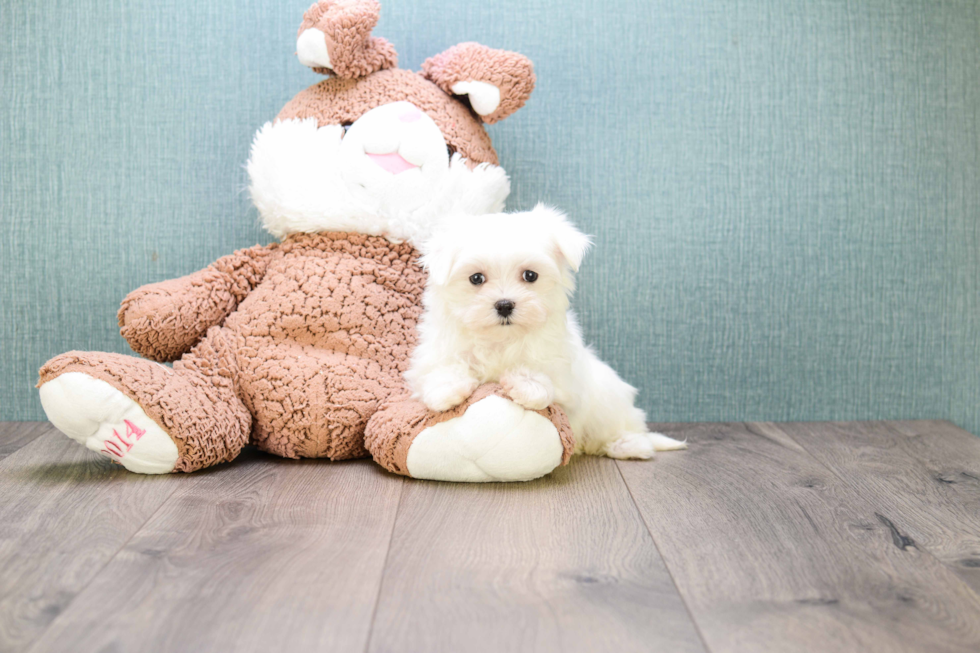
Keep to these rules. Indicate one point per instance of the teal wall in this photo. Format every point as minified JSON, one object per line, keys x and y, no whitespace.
{"x":785,"y":194}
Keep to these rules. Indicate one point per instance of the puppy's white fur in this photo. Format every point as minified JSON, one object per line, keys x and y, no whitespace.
{"x":536,"y":353}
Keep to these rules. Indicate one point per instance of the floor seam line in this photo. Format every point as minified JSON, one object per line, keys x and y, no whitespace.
{"x":687,"y":608}
{"x":384,"y":565}
{"x":24,"y":446}
{"x":37,"y":426}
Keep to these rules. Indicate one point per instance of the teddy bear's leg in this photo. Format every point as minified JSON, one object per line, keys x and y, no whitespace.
{"x":486,"y":438}
{"x":313,"y":405}
{"x":148,"y":417}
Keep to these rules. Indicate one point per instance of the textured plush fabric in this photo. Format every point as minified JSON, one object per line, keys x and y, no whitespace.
{"x":346,"y":27}
{"x":338,"y":100}
{"x":304,"y":341}
{"x":785,"y":194}
{"x":510,"y":72}
{"x":391,"y":431}
{"x":182,"y":310}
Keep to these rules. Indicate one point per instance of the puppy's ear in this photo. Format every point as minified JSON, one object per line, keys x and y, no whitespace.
{"x":571,"y":243}
{"x":438,"y":259}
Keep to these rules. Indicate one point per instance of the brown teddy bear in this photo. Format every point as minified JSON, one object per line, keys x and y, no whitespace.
{"x":299,"y":346}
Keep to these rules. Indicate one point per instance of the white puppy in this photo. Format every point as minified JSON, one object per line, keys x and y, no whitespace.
{"x":496,"y":310}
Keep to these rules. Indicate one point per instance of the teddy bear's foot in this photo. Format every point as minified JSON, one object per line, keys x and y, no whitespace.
{"x":494,"y":440}
{"x":487,"y":438}
{"x":103,"y":419}
{"x":128,"y":408}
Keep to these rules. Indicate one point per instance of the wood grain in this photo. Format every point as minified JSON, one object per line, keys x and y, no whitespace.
{"x":64,"y":512}
{"x":772,"y":552}
{"x":14,"y":435}
{"x":790,"y":537}
{"x":263,"y":554}
{"x":924,"y":475}
{"x":562,"y":563}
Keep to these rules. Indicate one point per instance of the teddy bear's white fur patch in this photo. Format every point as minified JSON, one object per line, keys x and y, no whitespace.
{"x":311,"y":48}
{"x":298,"y":187}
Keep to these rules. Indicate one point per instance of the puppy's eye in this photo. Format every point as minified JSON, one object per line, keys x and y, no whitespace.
{"x":530,"y":276}
{"x":477,"y":279}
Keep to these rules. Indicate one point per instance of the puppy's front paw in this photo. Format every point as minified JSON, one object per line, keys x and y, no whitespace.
{"x":447,"y":391}
{"x":529,"y":389}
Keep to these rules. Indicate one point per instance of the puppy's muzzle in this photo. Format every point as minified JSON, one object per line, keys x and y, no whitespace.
{"x":504,"y":307}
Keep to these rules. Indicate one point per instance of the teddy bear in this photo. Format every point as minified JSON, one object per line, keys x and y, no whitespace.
{"x":298,"y":347}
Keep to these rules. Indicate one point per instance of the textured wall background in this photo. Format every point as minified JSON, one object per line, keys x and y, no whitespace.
{"x":785,"y":194}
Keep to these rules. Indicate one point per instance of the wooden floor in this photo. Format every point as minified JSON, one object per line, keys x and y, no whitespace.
{"x":827,"y":537}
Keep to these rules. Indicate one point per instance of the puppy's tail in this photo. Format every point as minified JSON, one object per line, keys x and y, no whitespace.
{"x":662,"y":443}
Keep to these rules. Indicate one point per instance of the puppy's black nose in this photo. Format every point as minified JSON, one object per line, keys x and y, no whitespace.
{"x":504,"y":307}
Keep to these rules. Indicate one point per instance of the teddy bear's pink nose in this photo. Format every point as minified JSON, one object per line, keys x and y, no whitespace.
{"x":410,"y":114}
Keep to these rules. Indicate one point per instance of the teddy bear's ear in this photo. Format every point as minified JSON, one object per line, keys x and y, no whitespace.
{"x":335,"y":38}
{"x":497,"y":82}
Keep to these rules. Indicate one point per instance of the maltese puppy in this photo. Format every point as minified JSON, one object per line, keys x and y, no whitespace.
{"x":496,"y":310}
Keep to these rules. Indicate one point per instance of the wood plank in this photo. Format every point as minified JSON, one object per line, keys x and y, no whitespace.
{"x":14,"y":435}
{"x":64,"y":512}
{"x":924,"y":475}
{"x":263,"y":554}
{"x":772,"y":552}
{"x":562,"y":563}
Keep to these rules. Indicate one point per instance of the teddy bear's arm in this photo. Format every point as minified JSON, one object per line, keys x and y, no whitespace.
{"x":161,"y":321}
